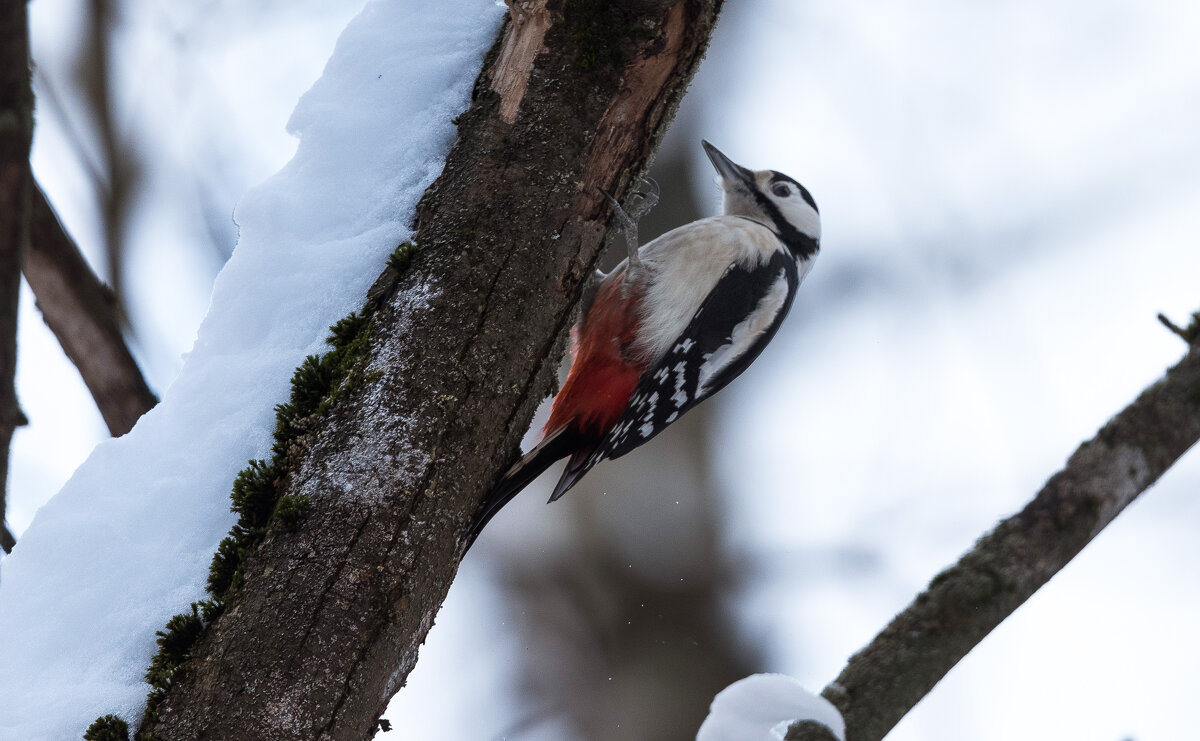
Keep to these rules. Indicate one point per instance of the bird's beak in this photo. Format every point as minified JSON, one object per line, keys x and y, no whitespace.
{"x":730,"y":172}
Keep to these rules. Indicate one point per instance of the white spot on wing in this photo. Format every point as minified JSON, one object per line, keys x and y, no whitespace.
{"x":680,"y":397}
{"x":647,"y":427}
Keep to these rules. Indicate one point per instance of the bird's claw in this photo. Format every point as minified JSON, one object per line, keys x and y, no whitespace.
{"x":647,"y":198}
{"x":643,"y":200}
{"x":620,"y":213}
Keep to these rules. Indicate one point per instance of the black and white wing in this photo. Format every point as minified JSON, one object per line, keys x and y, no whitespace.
{"x":732,"y":326}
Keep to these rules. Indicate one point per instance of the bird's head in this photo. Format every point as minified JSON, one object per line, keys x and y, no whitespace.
{"x":772,"y":198}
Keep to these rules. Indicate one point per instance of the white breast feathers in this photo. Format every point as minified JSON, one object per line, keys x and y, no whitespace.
{"x":685,"y":264}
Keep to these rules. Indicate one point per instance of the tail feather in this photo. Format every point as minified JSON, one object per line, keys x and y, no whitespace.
{"x":558,"y":444}
{"x":581,"y":462}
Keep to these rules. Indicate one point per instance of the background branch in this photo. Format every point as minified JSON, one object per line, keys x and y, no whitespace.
{"x":16,"y":135}
{"x":119,"y":164}
{"x":964,"y":603}
{"x":82,"y":312}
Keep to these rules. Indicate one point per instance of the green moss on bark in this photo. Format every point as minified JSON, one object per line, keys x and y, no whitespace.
{"x":107,"y":728}
{"x":318,"y":383}
{"x":290,"y":511}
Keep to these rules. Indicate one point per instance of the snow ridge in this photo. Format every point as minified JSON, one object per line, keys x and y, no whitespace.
{"x":127,"y":542}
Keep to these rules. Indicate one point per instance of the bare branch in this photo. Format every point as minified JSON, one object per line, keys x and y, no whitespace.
{"x":964,"y":603}
{"x":83,"y":315}
{"x":1188,"y":334}
{"x":16,"y":135}
{"x":809,"y":730}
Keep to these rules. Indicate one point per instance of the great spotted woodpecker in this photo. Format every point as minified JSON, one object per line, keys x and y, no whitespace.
{"x":673,"y":324}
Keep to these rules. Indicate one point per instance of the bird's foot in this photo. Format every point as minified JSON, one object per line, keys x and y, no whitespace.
{"x":643,"y":200}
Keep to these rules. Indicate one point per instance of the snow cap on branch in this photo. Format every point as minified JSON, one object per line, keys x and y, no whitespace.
{"x":762,"y":706}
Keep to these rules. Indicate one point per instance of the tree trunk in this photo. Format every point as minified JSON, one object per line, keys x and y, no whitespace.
{"x":464,"y":343}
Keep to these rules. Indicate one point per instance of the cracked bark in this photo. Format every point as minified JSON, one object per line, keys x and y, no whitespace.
{"x":82,"y":312}
{"x":16,"y":135}
{"x":964,"y":603}
{"x":464,"y":345}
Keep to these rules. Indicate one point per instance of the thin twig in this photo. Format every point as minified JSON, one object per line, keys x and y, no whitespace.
{"x":1188,"y":335}
{"x":1175,"y":328}
{"x":963,"y":604}
{"x":83,"y":315}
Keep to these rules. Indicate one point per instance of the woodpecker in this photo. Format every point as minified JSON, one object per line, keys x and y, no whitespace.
{"x":674,"y":323}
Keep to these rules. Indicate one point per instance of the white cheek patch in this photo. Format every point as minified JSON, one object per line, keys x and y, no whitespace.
{"x":800,"y":215}
{"x":745,"y":333}
{"x":811,"y":224}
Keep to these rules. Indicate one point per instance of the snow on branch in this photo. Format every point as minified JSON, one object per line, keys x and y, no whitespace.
{"x":126,"y":543}
{"x":762,"y":707}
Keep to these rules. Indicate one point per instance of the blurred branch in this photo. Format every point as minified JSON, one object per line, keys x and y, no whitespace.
{"x":881,"y":683}
{"x":120,"y":165}
{"x":83,"y":314}
{"x":50,"y":99}
{"x":16,"y":135}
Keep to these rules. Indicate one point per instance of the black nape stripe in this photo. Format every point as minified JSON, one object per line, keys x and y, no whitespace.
{"x":800,"y":244}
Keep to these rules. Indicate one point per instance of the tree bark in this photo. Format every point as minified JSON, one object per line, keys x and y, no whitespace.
{"x":464,"y":344}
{"x":82,"y":312}
{"x":964,"y":603}
{"x":16,"y":135}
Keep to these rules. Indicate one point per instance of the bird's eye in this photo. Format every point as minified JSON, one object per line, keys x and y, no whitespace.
{"x":781,"y":189}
